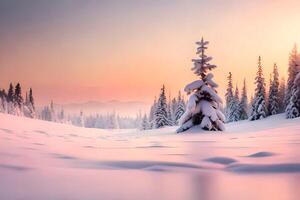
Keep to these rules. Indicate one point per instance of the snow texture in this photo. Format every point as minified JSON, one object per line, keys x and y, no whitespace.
{"x":45,"y":160}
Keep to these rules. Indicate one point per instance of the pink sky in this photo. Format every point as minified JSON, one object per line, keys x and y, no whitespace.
{"x":76,"y":52}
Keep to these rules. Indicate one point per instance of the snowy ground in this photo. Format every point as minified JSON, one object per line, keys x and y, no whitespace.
{"x":251,"y":160}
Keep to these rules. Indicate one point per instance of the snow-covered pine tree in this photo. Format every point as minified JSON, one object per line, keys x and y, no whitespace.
{"x":80,"y":119}
{"x":236,"y":104}
{"x":273,"y":104}
{"x":174,"y":105}
{"x":10,"y":94}
{"x":18,"y":100}
{"x":180,"y":108}
{"x":31,"y":99}
{"x":152,"y":114}
{"x":26,"y":99}
{"x":98,"y":122}
{"x":161,"y":114}
{"x":237,"y":93}
{"x":2,"y":110}
{"x":10,"y":99}
{"x":243,"y":106}
{"x":113,"y":121}
{"x":292,"y":70}
{"x":228,"y":95}
{"x":293,"y":109}
{"x":145,"y":123}
{"x":1,"y":105}
{"x":251,"y":106}
{"x":61,"y":116}
{"x":259,"y":107}
{"x":281,"y":95}
{"x":3,"y":101}
{"x":268,"y":92}
{"x":29,"y":108}
{"x":52,"y":112}
{"x":46,"y":114}
{"x":231,"y":103}
{"x":89,"y":121}
{"x":26,"y":106}
{"x":3,"y":93}
{"x":204,"y":105}
{"x":169,"y":112}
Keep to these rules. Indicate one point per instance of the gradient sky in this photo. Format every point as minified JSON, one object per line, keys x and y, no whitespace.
{"x":80,"y":50}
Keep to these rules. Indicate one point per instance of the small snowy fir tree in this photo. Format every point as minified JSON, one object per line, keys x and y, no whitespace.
{"x":152,"y":114}
{"x":236,"y":104}
{"x":251,"y":106}
{"x":161,"y":113}
{"x":61,"y":116}
{"x":81,"y":119}
{"x":281,"y":95}
{"x":293,"y":109}
{"x":292,"y":70}
{"x":174,"y":105}
{"x":273,"y":104}
{"x":26,"y":106}
{"x":169,"y":112}
{"x":18,"y":100}
{"x":3,"y":101}
{"x":145,"y":123}
{"x":243,"y":106}
{"x":29,"y":108}
{"x":99,"y":122}
{"x":231,"y":102}
{"x":10,"y":94}
{"x":52,"y":112}
{"x":204,"y":104}
{"x":46,"y":114}
{"x":259,"y":108}
{"x":2,"y":105}
{"x":138,"y":119}
{"x":113,"y":121}
{"x":10,"y":99}
{"x":31,"y":99}
{"x":180,"y":108}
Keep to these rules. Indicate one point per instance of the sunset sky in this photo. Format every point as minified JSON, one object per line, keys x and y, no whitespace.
{"x":81,"y":50}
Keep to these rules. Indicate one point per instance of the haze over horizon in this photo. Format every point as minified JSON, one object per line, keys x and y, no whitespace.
{"x":79,"y":51}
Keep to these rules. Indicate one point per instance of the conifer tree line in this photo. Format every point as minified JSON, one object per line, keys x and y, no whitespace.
{"x":13,"y":102}
{"x":103,"y":121}
{"x":163,"y":111}
{"x":203,"y":107}
{"x":277,"y":98}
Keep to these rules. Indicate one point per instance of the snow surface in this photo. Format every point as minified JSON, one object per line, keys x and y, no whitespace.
{"x":250,"y":160}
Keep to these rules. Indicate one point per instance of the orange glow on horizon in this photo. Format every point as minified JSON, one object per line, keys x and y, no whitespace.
{"x":69,"y":63}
